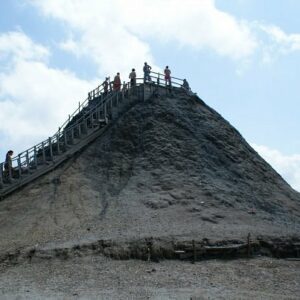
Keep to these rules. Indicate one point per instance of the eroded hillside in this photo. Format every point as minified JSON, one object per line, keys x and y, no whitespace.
{"x":169,"y":168}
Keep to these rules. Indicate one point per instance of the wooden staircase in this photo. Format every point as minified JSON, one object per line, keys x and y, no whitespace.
{"x":92,"y":118}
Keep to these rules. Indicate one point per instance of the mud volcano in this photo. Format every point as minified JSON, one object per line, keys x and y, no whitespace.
{"x":170,"y":176}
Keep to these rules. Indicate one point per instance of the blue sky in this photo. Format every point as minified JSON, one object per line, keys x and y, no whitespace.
{"x":242,"y":57}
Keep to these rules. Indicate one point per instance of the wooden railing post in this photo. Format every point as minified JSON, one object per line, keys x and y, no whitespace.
{"x":27,"y":160}
{"x":19,"y":166}
{"x":85,"y":124}
{"x":35,"y":156}
{"x":65,"y":138}
{"x":50,"y":148}
{"x":43,"y":153}
{"x":72,"y":134}
{"x":57,"y":140}
{"x":79,"y":129}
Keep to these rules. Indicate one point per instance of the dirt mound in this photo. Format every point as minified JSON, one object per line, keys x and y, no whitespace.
{"x":169,"y":167}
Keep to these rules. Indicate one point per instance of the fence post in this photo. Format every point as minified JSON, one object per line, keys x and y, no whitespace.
{"x":50,"y":148}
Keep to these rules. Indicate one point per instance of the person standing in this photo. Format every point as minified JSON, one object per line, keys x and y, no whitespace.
{"x":147,"y":70}
{"x":117,"y":83}
{"x":185,"y":85}
{"x":132,"y":77}
{"x":167,"y":72}
{"x":105,"y":86}
{"x":8,"y":164}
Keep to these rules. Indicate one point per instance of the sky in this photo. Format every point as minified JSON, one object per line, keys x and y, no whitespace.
{"x":242,"y":57}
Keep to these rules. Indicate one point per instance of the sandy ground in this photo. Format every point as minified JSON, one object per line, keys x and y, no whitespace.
{"x":98,"y":277}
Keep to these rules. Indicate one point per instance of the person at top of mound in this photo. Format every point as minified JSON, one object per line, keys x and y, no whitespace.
{"x":167,"y":72}
{"x":147,"y":70}
{"x":117,"y":83}
{"x":132,"y":77}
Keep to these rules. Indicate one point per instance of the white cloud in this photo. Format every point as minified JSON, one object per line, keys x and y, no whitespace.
{"x":117,"y":34}
{"x":17,"y":45}
{"x":286,"y":165}
{"x":286,"y":42}
{"x":114,"y":33}
{"x":274,"y":42}
{"x":34,"y":98}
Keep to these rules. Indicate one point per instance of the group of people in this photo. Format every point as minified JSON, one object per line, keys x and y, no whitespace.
{"x":116,"y":84}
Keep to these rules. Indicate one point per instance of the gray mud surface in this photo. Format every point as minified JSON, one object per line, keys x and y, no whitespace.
{"x":97,"y":277}
{"x":170,"y":168}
